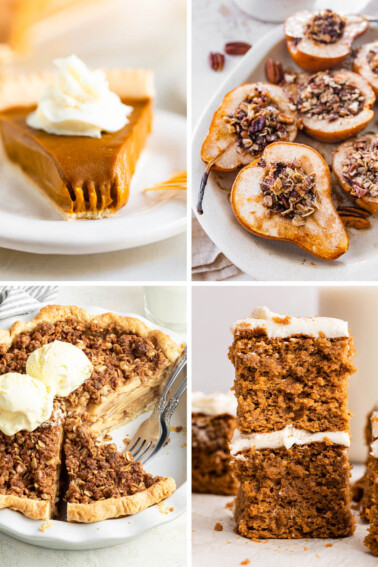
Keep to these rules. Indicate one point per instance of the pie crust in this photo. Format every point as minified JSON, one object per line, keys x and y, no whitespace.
{"x":83,"y":177}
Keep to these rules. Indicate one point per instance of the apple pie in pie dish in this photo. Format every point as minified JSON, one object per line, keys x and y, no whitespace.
{"x":131,"y":364}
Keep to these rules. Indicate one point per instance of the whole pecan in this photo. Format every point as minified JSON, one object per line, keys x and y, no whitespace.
{"x":216,"y":61}
{"x":274,"y":71}
{"x":355,"y":222}
{"x":237,"y":47}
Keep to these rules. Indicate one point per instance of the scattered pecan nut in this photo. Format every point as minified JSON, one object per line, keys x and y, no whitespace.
{"x":274,"y":71}
{"x":355,"y":222}
{"x":353,"y":212}
{"x":216,"y":61}
{"x":237,"y":47}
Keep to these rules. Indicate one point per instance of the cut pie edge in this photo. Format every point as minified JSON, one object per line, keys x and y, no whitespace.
{"x":25,"y":89}
{"x":122,"y":506}
{"x":54,"y":313}
{"x":35,"y":509}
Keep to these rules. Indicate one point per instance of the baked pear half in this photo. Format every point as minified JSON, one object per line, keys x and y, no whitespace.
{"x":286,"y":195}
{"x":334,"y":105}
{"x":250,"y":117}
{"x":321,"y":40}
{"x":366,"y":64}
{"x":355,"y":165}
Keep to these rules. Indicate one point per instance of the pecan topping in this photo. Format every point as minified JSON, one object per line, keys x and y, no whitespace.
{"x":372,"y":59}
{"x":216,"y":61}
{"x":360,"y":168}
{"x":258,"y":122}
{"x":325,"y":27}
{"x":274,"y":71}
{"x":289,"y":191}
{"x":328,"y":96}
{"x":237,"y":47}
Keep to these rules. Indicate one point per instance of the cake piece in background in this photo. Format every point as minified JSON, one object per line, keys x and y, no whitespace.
{"x":290,"y":448}
{"x":213,"y":424}
{"x":369,"y":501}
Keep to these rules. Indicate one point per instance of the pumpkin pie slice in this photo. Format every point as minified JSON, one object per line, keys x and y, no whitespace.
{"x":131,"y":361}
{"x":104,"y":483}
{"x":84,"y":177}
{"x":30,"y":465}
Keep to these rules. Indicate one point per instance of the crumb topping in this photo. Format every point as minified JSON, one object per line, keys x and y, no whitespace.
{"x":372,"y":59}
{"x":257,"y":122}
{"x":325,"y":27}
{"x":30,"y":462}
{"x":289,"y":191}
{"x":98,"y":471}
{"x":117,"y":356}
{"x":360,"y":167}
{"x":329,"y":96}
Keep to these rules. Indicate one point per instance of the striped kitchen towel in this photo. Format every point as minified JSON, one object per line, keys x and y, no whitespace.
{"x":20,"y":300}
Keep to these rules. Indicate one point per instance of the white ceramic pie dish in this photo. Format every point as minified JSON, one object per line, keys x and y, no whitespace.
{"x":170,"y":461}
{"x":30,"y":223}
{"x":261,"y":258}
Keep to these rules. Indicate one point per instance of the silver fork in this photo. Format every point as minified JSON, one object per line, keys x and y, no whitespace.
{"x":148,"y":434}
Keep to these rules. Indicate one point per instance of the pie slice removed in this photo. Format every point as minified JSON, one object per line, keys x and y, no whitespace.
{"x":84,"y":177}
{"x":30,"y":469}
{"x":104,"y":483}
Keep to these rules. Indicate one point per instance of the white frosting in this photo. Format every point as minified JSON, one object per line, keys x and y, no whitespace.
{"x":63,"y":367}
{"x":214,"y":404}
{"x":280,"y":326}
{"x":286,"y":437}
{"x":79,"y":103}
{"x":25,"y":403}
{"x":374,"y":431}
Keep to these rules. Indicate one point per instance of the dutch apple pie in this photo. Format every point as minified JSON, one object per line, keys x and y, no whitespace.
{"x":131,"y":363}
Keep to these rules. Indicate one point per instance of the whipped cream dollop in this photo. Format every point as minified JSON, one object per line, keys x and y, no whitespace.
{"x":61,"y":366}
{"x":79,"y":103}
{"x":281,"y":326}
{"x":25,"y":403}
{"x":214,"y":404}
{"x":286,"y":437}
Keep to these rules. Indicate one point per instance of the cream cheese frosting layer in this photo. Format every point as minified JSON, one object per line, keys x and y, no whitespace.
{"x":286,"y":437}
{"x":214,"y":404}
{"x":374,"y":431}
{"x":281,"y":326}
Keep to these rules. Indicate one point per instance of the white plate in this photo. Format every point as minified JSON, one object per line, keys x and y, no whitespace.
{"x":170,"y":461}
{"x":261,"y":258}
{"x":29,"y":222}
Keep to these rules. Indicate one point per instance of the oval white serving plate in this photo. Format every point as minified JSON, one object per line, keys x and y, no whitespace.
{"x":261,"y":258}
{"x":170,"y":461}
{"x":30,"y":223}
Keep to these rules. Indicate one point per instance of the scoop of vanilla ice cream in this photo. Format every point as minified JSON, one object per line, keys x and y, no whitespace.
{"x":25,"y":403}
{"x":63,"y":367}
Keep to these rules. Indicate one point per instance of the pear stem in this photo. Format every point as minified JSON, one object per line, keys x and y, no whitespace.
{"x":205,"y":177}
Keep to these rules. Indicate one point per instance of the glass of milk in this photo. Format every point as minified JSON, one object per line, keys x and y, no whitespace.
{"x":166,"y":306}
{"x":357,"y":305}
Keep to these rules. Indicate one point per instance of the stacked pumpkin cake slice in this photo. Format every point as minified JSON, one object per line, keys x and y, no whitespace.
{"x":290,"y":448}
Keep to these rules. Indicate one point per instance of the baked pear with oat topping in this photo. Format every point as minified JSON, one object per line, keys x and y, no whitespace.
{"x":366,"y":64}
{"x":250,"y":117}
{"x":355,"y":165}
{"x":321,"y":40}
{"x":334,"y":105}
{"x":286,"y":195}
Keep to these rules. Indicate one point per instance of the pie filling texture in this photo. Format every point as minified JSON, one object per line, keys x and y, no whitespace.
{"x":103,"y":483}
{"x":84,"y":177}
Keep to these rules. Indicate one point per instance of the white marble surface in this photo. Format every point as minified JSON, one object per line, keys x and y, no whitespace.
{"x":164,"y":546}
